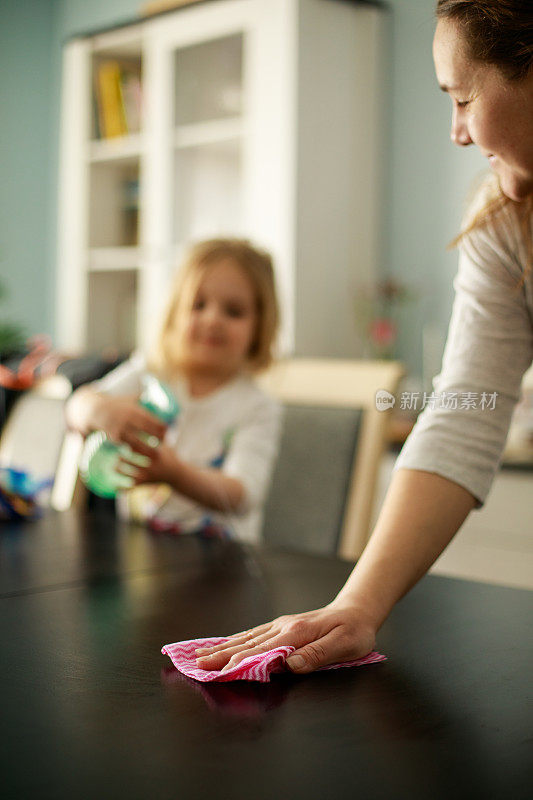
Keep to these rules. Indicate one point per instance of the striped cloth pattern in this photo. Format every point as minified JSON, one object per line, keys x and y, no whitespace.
{"x":254,"y":668}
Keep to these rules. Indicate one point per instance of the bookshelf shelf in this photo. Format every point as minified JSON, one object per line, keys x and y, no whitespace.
{"x":105,"y":259}
{"x":120,"y":148}
{"x":212,"y":132}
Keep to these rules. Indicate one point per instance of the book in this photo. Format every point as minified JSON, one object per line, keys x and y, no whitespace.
{"x":111,"y":114}
{"x":117,"y":98}
{"x":131,"y":97}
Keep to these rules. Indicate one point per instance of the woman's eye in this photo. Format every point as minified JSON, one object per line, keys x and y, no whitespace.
{"x":462,"y":103}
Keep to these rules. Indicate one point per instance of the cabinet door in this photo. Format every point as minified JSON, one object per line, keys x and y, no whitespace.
{"x":215,"y":122}
{"x":208,"y":133}
{"x":99,"y":253}
{"x":195,"y":126}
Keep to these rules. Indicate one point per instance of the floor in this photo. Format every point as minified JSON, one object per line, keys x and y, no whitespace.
{"x":495,"y":544}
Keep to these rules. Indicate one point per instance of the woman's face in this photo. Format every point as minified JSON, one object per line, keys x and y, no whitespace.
{"x":488,"y":110}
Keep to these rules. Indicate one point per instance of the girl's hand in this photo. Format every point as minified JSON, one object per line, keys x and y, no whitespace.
{"x":123,"y":419}
{"x":325,"y":636}
{"x":161,"y":463}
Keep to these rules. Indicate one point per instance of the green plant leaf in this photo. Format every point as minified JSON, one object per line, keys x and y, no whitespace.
{"x":12,"y":337}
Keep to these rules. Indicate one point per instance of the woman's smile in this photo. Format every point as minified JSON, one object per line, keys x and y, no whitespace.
{"x":489,"y":110}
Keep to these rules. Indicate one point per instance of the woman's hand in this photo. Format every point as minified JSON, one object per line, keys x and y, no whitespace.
{"x":328,"y":635}
{"x":160,"y":466}
{"x":123,"y":419}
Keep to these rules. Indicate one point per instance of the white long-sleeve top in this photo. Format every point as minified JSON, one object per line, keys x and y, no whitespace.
{"x":489,"y":347}
{"x":235,"y":428}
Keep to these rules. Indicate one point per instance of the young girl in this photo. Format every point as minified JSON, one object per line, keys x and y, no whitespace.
{"x":218,"y":331}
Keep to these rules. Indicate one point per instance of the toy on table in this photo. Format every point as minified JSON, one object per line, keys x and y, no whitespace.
{"x":19,"y":494}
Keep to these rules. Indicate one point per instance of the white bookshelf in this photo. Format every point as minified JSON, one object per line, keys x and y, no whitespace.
{"x":121,"y":149}
{"x":103,"y":259}
{"x":211,"y":132}
{"x":261,"y":118}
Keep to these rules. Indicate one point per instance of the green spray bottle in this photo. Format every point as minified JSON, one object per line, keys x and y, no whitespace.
{"x":100,"y":456}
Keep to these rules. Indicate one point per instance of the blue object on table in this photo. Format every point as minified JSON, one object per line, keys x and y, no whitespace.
{"x":19,"y":493}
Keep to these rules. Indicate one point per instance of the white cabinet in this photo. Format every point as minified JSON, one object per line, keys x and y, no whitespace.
{"x":495,"y":543}
{"x":260,"y":118}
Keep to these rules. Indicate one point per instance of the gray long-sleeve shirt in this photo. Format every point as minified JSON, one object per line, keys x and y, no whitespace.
{"x":489,"y":347}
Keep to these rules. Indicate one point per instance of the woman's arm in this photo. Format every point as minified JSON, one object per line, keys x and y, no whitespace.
{"x":447,"y":465}
{"x":420,"y":515}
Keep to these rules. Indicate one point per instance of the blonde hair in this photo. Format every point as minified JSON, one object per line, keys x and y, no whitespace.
{"x":494,"y":201}
{"x":169,"y":353}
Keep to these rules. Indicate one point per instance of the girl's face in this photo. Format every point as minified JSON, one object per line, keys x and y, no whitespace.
{"x":494,"y":113}
{"x":223,"y":320}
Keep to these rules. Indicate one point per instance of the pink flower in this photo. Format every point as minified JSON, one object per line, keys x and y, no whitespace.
{"x":382,"y":332}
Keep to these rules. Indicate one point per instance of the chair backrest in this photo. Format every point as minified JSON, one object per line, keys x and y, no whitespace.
{"x":33,"y":434}
{"x":324,"y":483}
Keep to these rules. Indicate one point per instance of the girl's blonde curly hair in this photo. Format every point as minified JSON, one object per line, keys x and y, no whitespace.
{"x":169,"y":353}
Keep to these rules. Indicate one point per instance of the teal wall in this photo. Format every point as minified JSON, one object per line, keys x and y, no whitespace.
{"x":430,"y":178}
{"x":26,"y":167}
{"x":428,"y":181}
{"x":79,"y":16}
{"x":31,"y":34}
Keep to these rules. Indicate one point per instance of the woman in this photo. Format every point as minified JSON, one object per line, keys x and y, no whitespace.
{"x":483,"y":53}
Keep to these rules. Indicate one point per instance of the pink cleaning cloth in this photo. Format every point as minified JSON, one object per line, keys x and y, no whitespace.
{"x":254,"y":668}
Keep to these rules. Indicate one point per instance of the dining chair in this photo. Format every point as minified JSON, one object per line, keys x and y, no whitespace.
{"x":323,"y":488}
{"x":33,"y":437}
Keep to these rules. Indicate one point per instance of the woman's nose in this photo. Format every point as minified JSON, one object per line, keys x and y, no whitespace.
{"x":459,"y":133}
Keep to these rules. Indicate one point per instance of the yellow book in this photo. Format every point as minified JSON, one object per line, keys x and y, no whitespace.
{"x":111,"y":109}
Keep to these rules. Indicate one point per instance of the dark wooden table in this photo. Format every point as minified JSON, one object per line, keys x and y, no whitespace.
{"x":91,"y":709}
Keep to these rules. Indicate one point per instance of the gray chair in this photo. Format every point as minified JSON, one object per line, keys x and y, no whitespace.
{"x":311,"y":482}
{"x":323,"y":487}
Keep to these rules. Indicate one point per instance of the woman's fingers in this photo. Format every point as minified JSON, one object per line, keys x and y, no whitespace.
{"x":220,"y":648}
{"x":256,"y":640}
{"x":269,"y":643}
{"x":345,"y":637}
{"x":232,"y":655}
{"x":236,"y":638}
{"x":328,"y":649}
{"x":283,"y":631}
{"x":257,"y":631}
{"x":321,"y":637}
